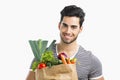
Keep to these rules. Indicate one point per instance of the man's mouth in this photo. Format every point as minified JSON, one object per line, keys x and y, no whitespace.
{"x":67,"y":36}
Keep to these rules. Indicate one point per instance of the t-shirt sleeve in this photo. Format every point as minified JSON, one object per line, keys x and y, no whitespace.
{"x":96,"y":68}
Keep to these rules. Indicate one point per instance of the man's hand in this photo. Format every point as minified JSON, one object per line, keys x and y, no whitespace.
{"x":31,"y":75}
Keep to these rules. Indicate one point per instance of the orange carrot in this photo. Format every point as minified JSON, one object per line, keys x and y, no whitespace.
{"x":63,"y":59}
{"x":68,"y":60}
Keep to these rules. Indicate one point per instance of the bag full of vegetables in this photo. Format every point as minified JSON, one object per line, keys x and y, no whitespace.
{"x":47,"y":67}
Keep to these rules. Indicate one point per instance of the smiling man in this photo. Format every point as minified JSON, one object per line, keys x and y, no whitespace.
{"x":69,"y":29}
{"x":70,"y":26}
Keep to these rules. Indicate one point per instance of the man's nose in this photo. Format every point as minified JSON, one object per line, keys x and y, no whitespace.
{"x":68,"y":30}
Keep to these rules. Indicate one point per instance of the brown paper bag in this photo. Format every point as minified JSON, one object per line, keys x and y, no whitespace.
{"x":57,"y":72}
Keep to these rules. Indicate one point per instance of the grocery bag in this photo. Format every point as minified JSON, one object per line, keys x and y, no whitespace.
{"x":57,"y":72}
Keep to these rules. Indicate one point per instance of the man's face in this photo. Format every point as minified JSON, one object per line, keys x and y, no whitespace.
{"x":69,"y":29}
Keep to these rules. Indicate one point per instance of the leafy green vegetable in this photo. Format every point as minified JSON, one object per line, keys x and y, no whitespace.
{"x":41,"y":53}
{"x":49,"y":58}
{"x":38,"y":48}
{"x":51,"y":45}
{"x":35,"y":51}
{"x":42,"y":46}
{"x":34,"y":65}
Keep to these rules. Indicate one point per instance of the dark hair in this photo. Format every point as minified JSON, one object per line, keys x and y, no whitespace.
{"x":73,"y":10}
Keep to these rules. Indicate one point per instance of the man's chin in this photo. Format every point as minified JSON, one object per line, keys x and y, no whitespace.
{"x":67,"y":42}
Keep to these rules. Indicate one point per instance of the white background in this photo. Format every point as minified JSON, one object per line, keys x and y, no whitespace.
{"x":23,"y":20}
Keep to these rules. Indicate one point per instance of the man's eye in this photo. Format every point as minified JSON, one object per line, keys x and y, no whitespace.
{"x":65,"y":25}
{"x":73,"y":27}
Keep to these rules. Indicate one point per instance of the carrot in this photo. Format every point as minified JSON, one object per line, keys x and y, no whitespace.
{"x":63,"y":59}
{"x":68,"y":60}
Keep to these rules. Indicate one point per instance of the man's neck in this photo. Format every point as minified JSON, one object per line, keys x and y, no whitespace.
{"x":69,"y":49}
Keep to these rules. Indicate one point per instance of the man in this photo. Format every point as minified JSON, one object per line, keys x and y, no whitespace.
{"x":88,"y":66}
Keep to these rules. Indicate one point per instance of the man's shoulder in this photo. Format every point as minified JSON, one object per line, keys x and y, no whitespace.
{"x":88,"y":63}
{"x":82,"y":52}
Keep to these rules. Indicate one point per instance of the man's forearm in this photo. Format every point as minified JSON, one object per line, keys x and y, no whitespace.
{"x":31,"y":76}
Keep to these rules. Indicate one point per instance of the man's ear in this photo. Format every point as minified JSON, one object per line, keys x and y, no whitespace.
{"x":59,"y":26}
{"x":81,"y":28}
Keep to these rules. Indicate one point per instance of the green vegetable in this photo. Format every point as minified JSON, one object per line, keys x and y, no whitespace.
{"x":42,"y":53}
{"x":35,"y":51}
{"x":34,"y":65}
{"x":38,"y":48}
{"x":48,"y":57}
{"x":51,"y":45}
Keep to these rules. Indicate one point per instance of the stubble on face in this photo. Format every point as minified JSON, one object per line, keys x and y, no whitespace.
{"x":70,"y":35}
{"x":68,"y":42}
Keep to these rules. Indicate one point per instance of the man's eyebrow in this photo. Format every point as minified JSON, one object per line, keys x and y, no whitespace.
{"x":74,"y":26}
{"x":65,"y":24}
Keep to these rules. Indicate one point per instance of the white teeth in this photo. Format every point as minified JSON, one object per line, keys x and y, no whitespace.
{"x":67,"y":36}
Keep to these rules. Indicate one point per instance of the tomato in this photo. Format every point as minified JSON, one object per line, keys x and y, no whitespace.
{"x":41,"y":65}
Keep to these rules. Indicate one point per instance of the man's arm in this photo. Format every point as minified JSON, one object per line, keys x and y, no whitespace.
{"x":96,"y":69}
{"x":102,"y":78}
{"x":31,"y":75}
